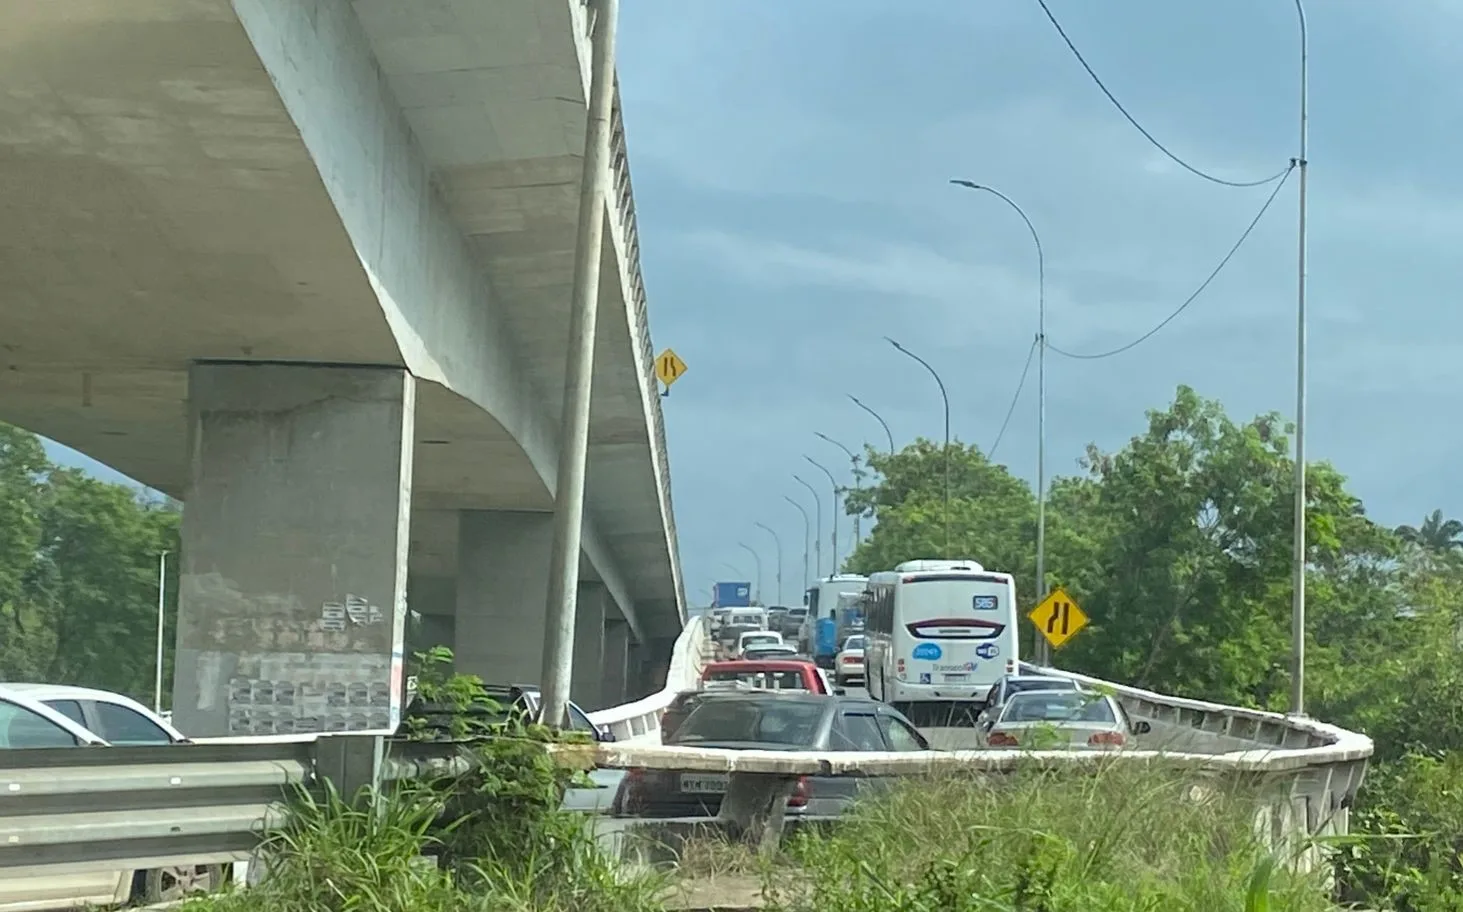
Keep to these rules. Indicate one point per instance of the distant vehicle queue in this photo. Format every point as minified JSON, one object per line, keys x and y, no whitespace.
{"x":934,"y":636}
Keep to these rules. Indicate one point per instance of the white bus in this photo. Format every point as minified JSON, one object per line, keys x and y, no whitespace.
{"x":940,"y":633}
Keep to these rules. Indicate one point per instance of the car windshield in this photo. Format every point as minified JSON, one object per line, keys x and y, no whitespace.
{"x":1058,"y":707}
{"x":854,"y":643}
{"x":797,"y":612}
{"x":1017,"y":685}
{"x":761,"y":680}
{"x":756,"y":639}
{"x":773,"y":721}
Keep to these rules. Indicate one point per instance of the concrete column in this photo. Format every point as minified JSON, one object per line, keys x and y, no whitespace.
{"x":502,"y":587}
{"x":589,"y":646}
{"x":432,"y":605}
{"x":292,"y":602}
{"x":616,"y":661}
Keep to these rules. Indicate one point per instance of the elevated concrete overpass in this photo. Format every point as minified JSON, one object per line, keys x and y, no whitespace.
{"x":229,"y":231}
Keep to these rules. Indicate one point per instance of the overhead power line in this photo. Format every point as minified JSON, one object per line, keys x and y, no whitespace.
{"x":1198,"y":291}
{"x":1134,"y":121}
{"x":1020,"y":385}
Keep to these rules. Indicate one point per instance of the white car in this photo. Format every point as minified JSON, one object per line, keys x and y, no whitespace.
{"x":112,"y":717}
{"x":36,"y":716}
{"x":755,"y":638}
{"x":848,"y":664}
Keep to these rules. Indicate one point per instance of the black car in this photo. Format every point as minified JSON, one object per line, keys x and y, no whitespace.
{"x":762,"y":720}
{"x":508,"y":700}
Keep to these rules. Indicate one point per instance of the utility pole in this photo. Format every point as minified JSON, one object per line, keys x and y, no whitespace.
{"x":558,"y":658}
{"x":162,"y":617}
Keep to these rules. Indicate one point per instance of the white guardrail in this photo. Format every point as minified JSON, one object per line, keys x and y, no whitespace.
{"x":69,"y":811}
{"x":639,"y":722}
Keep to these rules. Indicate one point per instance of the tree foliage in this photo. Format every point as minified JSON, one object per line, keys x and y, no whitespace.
{"x":78,"y":574}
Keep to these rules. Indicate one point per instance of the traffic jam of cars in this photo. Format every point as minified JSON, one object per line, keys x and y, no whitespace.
{"x":844,"y":673}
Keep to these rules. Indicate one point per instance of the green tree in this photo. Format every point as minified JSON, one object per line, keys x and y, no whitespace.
{"x":1443,"y":536}
{"x":23,"y":472}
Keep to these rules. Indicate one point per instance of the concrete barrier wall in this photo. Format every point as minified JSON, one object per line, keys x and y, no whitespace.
{"x":638,"y":723}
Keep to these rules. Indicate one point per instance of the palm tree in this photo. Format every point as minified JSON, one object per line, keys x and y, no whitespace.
{"x":1435,"y":534}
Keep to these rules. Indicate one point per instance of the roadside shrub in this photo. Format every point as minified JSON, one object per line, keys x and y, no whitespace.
{"x":1124,"y":839}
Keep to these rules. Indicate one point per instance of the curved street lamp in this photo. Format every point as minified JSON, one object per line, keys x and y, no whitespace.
{"x":807,"y":534}
{"x":945,"y":397}
{"x":818,"y":512}
{"x":833,"y":482}
{"x":756,"y":562}
{"x":877,"y":417}
{"x":857,"y":485}
{"x":778,"y":542}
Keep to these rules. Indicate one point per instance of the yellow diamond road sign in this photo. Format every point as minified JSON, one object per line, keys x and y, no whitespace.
{"x":1058,"y":617}
{"x":669,"y":367}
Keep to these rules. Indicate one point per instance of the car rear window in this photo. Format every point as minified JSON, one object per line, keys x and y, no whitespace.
{"x":771,"y":721}
{"x":1054,"y":707}
{"x":1017,"y":685}
{"x":761,"y":680}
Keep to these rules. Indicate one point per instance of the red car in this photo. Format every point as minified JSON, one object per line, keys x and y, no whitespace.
{"x":767,"y":674}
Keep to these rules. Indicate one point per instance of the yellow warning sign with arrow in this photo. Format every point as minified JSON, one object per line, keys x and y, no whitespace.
{"x":1058,"y":617}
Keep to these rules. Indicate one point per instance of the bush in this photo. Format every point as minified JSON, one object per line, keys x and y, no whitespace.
{"x":491,"y":840}
{"x":1125,"y":838}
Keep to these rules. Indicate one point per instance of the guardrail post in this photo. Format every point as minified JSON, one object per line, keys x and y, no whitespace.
{"x":755,"y":807}
{"x":350,"y":763}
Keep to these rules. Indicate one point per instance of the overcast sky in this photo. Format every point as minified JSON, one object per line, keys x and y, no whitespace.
{"x":791,"y":163}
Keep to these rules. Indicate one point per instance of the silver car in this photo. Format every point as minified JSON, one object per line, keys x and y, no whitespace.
{"x":1063,"y":719}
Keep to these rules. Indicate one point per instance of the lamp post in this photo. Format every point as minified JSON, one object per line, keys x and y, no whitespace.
{"x":833,"y":482}
{"x":1043,"y":648}
{"x":776,"y":540}
{"x":818,"y":512}
{"x":853,"y":461}
{"x":807,"y":534}
{"x":756,"y":562}
{"x":162,"y":611}
{"x":1298,"y":558}
{"x":877,"y":417}
{"x":944,"y":397}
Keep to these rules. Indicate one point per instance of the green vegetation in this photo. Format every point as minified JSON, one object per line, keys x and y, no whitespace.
{"x":78,"y":574}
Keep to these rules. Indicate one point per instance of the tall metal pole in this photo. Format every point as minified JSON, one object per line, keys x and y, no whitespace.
{"x":877,"y":417}
{"x":1298,"y":590}
{"x":946,"y":399}
{"x":162,"y":613}
{"x":833,"y":482}
{"x":756,"y":562}
{"x":558,"y":658}
{"x":807,"y":534}
{"x":857,"y":486}
{"x":1043,"y":649}
{"x":818,"y":512}
{"x":776,"y":540}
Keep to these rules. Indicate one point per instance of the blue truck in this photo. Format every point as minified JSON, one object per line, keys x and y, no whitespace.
{"x":732,"y":595}
{"x":835,"y":612}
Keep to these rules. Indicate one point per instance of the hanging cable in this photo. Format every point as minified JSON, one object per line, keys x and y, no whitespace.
{"x":1020,"y":385}
{"x":1200,"y":290}
{"x":1134,"y":121}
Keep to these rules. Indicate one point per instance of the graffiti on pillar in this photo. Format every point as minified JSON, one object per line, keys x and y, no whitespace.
{"x":355,"y":610}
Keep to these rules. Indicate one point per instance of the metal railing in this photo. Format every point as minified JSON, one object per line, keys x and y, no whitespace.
{"x":639,"y":722}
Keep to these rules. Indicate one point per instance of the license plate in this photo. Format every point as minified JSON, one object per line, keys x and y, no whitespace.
{"x":956,"y":678}
{"x":702,"y":784}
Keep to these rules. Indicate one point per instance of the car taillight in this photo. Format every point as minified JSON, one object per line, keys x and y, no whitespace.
{"x":1001,"y":739}
{"x":851,"y":660}
{"x":1107,"y":739}
{"x":801,"y":792}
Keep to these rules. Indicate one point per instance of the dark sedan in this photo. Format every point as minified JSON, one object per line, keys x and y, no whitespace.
{"x":759,"y":720}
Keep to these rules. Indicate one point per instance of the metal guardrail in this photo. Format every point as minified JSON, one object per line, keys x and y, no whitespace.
{"x":639,"y":722}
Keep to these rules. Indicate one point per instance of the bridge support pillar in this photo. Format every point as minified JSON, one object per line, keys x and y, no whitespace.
{"x":616,"y":661}
{"x":502,"y":587}
{"x":292,"y":600}
{"x":586,"y":686}
{"x":432,"y":603}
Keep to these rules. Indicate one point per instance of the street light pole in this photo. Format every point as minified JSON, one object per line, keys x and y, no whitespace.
{"x":162,"y":613}
{"x":857,"y":486}
{"x":833,"y":482}
{"x":776,"y":540}
{"x":756,"y":562}
{"x":568,"y":521}
{"x":1298,"y":559}
{"x":877,"y":417}
{"x":818,"y":512}
{"x":945,"y":397}
{"x":806,"y":535}
{"x":1043,"y":648}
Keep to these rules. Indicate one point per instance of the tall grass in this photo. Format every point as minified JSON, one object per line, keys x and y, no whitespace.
{"x":1126,"y":839}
